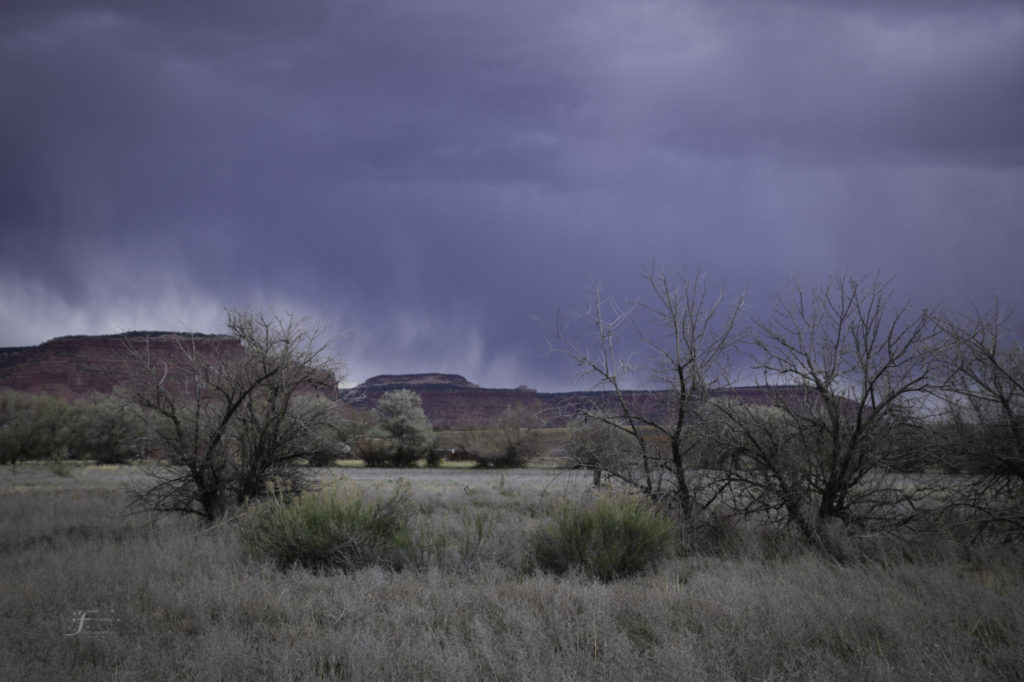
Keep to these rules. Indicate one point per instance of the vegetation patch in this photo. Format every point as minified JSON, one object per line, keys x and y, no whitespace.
{"x":184,"y":600}
{"x":331,"y":530}
{"x":612,"y":538}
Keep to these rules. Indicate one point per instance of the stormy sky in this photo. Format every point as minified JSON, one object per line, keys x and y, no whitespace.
{"x":431,"y":178}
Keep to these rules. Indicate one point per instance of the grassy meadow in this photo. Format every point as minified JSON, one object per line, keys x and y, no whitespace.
{"x":170,"y":599}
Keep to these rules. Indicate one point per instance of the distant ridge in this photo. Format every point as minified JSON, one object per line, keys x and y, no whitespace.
{"x":421,"y":381}
{"x":72,"y":367}
{"x":134,"y":335}
{"x":450,"y":401}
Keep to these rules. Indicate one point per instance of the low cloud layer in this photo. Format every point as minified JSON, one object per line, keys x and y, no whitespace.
{"x":432,"y":179}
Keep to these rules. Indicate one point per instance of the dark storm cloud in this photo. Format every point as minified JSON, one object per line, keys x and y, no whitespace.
{"x":433,"y":175}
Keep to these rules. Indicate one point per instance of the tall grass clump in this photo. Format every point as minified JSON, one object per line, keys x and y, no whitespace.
{"x":614,"y":537}
{"x":331,"y":530}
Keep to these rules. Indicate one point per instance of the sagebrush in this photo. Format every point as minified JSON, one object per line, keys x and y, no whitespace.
{"x":331,"y":530}
{"x":614,"y":537}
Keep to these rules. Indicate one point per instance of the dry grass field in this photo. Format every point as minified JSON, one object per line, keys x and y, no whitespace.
{"x":88,"y":593}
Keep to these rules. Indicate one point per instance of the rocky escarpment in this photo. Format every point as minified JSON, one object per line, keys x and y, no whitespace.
{"x":386,"y":382}
{"x":71,"y":367}
{"x":76,"y":366}
{"x":451,"y":401}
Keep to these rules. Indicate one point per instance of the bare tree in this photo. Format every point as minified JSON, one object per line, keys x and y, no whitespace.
{"x":846,"y":373}
{"x":677,"y":346}
{"x":232,"y":413}
{"x":985,"y":427}
{"x":593,"y":444}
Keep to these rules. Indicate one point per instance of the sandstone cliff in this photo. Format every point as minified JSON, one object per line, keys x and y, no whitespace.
{"x":71,"y":367}
{"x":75,"y":366}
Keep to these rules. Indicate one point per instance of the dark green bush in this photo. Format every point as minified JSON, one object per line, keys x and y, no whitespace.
{"x":321,"y":458}
{"x":511,"y":456}
{"x":608,"y":539}
{"x":107,"y":429}
{"x":331,"y":530}
{"x":389,"y":456}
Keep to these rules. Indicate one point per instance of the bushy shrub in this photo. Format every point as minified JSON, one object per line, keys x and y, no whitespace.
{"x":33,"y":427}
{"x":435,"y":457}
{"x":330,"y":530}
{"x":611,"y":538}
{"x":321,"y":458}
{"x":510,"y":441}
{"x":378,"y":452}
{"x":508,"y":458}
{"x":107,"y":429}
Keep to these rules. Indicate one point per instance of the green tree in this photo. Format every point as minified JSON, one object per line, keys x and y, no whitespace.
{"x":33,"y":427}
{"x":110,"y":429}
{"x":405,"y":427}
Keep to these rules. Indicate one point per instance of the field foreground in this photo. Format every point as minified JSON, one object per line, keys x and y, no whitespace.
{"x":89,"y":593}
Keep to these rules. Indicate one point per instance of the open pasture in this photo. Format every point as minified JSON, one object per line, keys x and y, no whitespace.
{"x":91,"y":593}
